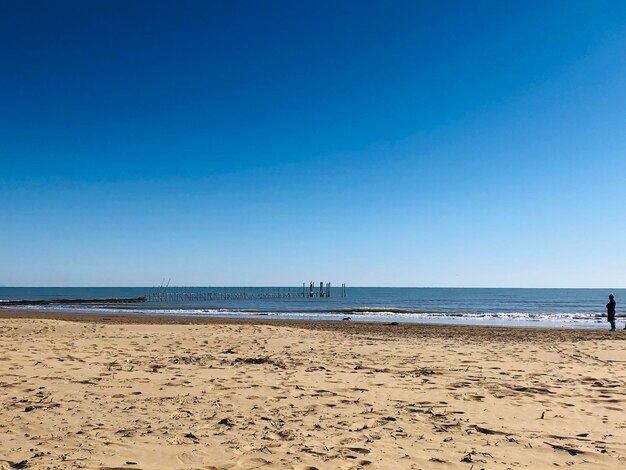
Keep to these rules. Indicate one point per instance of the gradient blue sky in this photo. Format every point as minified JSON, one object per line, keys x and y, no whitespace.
{"x":469,"y":143}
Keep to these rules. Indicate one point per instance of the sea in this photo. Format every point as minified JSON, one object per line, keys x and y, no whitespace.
{"x":564,"y":308}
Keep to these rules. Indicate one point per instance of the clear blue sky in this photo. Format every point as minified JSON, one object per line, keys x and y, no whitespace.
{"x":469,"y":143}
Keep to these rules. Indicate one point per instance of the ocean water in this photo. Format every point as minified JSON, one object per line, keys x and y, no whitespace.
{"x":572,"y":308}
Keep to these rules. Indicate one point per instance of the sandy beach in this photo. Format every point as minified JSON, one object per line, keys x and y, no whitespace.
{"x":90,"y":391}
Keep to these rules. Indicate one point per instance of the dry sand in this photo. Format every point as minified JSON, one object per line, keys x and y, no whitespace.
{"x":158,"y":394}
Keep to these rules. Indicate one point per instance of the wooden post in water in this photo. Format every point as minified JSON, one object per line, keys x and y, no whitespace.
{"x":311,"y":290}
{"x":321,"y":289}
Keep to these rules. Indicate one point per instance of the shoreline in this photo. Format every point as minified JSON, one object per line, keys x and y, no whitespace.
{"x":390,"y":329}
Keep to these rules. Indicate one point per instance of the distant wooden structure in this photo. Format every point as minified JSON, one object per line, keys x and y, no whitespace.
{"x":169,"y":294}
{"x":117,"y":300}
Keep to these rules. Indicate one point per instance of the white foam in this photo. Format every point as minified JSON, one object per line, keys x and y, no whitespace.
{"x":362,"y":313}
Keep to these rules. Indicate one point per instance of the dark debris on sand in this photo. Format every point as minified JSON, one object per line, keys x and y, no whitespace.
{"x":20,"y":464}
{"x":260,"y":360}
{"x":569,"y":450}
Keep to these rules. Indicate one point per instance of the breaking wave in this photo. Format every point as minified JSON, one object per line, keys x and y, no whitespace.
{"x":356,"y":313}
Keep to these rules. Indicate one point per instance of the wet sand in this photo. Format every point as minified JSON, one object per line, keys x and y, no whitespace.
{"x":112,"y":392}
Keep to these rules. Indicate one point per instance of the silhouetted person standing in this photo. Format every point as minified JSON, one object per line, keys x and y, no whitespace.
{"x":610,"y":312}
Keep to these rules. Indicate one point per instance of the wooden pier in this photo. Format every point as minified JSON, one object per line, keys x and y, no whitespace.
{"x":182,"y":294}
{"x":203,"y":294}
{"x":208,"y":296}
{"x":122,"y":300}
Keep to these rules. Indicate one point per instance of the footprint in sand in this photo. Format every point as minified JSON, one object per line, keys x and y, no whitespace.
{"x":187,"y":458}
